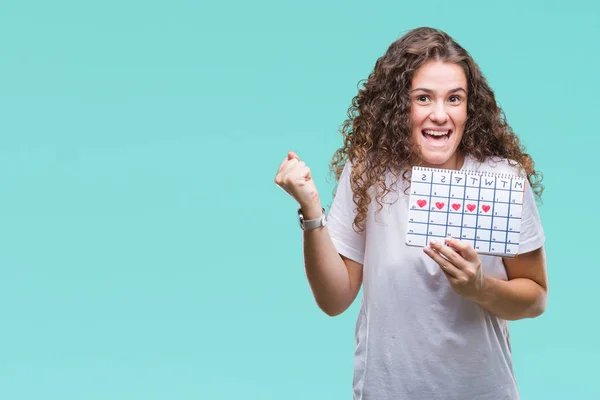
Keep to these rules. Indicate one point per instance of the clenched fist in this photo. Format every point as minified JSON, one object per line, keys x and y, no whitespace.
{"x":294,"y":177}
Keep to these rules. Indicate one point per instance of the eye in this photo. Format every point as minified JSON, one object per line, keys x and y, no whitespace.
{"x":422,"y":98}
{"x":456,"y":99}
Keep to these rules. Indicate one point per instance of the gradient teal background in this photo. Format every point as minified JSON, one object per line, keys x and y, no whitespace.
{"x":146,"y":252}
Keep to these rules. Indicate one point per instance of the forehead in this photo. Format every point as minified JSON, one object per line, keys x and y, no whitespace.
{"x":439,"y":75}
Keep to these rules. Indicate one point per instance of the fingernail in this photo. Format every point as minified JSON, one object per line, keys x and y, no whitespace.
{"x":426,"y":249}
{"x":433,"y":242}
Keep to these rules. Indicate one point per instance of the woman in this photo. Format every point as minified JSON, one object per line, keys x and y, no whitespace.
{"x":433,"y":321}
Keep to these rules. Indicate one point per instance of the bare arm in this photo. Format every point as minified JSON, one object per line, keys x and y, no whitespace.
{"x":334,"y":279}
{"x":525,"y":294}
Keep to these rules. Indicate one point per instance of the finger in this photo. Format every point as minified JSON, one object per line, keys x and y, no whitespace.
{"x":464,"y":249}
{"x":289,"y":165}
{"x":291,"y":155}
{"x":279,"y":176}
{"x":282,"y":164}
{"x":450,"y":254}
{"x":302,"y":173}
{"x":293,"y":172}
{"x":444,"y":264}
{"x":305,"y":173}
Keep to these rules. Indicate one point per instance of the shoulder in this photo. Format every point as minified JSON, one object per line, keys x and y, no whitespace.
{"x":495,"y":164}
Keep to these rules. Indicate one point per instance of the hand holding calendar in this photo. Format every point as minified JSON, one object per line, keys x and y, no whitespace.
{"x":460,"y":264}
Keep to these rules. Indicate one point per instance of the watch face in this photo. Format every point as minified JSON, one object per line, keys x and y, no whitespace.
{"x":301,"y":219}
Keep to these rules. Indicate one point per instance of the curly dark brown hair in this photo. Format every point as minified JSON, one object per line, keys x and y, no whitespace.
{"x":377,"y":133}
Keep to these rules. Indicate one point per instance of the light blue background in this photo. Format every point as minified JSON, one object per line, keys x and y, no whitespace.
{"x":146,"y":252}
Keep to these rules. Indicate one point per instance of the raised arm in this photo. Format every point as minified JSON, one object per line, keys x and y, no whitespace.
{"x":334,"y":280}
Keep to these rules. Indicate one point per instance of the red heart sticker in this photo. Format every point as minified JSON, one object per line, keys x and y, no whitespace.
{"x":456,"y":206}
{"x":421,"y":203}
{"x":439,"y":205}
{"x":471,"y":207}
{"x":485,"y":208}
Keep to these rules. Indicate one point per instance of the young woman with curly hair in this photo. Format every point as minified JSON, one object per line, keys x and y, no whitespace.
{"x":433,"y":322}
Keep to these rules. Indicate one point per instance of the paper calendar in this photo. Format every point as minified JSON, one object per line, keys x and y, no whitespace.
{"x":481,"y":208}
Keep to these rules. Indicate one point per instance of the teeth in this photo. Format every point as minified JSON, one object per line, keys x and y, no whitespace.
{"x":436,"y":133}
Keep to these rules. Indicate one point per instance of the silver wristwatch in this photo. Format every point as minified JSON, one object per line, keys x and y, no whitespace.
{"x":307,"y":225}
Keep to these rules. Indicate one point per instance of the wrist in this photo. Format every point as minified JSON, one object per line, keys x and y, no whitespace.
{"x":312,"y":211}
{"x":308,"y":224}
{"x":482,"y":295}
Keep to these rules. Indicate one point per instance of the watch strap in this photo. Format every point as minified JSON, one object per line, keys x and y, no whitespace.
{"x":310,"y":224}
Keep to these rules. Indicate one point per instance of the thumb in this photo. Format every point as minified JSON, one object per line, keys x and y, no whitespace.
{"x":308,"y":176}
{"x":291,"y":155}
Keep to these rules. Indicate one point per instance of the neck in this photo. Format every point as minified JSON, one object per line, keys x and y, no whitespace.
{"x":455,"y":162}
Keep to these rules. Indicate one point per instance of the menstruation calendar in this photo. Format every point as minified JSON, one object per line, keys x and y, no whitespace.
{"x":481,"y":208}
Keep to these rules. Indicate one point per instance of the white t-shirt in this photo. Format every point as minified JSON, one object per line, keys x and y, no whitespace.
{"x":416,"y":338}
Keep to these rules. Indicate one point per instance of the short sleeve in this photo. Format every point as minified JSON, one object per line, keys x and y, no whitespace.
{"x":532,"y":233}
{"x":340,"y":219}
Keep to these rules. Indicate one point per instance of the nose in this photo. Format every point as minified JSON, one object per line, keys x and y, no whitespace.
{"x":439,"y":114}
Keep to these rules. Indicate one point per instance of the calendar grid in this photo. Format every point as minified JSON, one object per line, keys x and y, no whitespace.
{"x":429,"y":208}
{"x":462,"y":210}
{"x":444,"y":197}
{"x":477,"y":213}
{"x":446,"y":184}
{"x":483,"y":229}
{"x":511,"y":185}
{"x":490,"y":222}
{"x":426,"y":235}
{"x":449,"y":193}
{"x":493,"y":211}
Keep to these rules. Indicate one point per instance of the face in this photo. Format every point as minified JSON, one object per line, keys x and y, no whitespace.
{"x":438,"y":99}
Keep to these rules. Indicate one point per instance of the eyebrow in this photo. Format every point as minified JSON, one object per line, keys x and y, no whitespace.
{"x":458,"y":89}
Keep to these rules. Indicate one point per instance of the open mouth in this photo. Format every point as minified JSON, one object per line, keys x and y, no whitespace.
{"x":437,"y":136}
